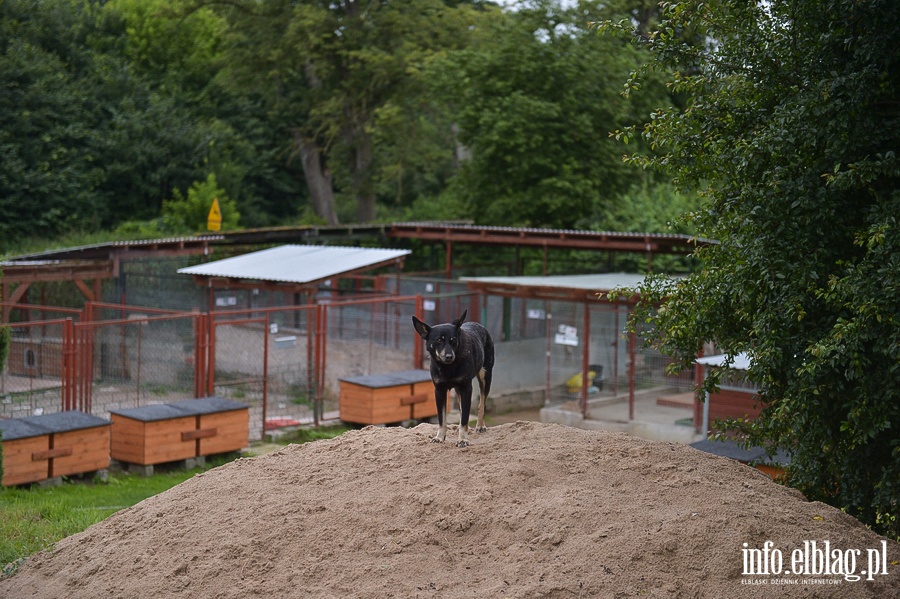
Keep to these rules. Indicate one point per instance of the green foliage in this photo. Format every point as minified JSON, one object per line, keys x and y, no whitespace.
{"x":190,"y":214}
{"x":655,"y":208}
{"x":5,"y":338}
{"x":108,"y":108}
{"x":351,"y":101}
{"x":37,"y":517}
{"x":529,"y":101}
{"x":792,"y":127}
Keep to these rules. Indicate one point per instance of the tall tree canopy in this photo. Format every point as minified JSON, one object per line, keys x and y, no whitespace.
{"x":314,"y":111}
{"x":529,"y":103}
{"x":86,"y":141}
{"x":793,"y":130}
{"x":333,"y":76}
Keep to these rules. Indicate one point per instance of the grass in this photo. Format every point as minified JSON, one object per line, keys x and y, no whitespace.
{"x":35,"y":518}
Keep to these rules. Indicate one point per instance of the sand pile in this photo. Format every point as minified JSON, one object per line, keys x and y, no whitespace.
{"x":528,"y":510}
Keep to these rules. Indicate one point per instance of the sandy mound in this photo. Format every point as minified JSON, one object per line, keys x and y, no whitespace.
{"x":528,"y":510}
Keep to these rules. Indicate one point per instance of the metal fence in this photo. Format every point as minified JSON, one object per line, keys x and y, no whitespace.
{"x":286,"y":361}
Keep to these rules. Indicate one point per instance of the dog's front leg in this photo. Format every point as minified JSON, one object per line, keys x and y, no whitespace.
{"x":465,"y":406}
{"x":440,"y":399}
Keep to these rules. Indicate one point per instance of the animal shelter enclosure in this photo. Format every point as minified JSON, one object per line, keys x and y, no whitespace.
{"x":147,"y":335}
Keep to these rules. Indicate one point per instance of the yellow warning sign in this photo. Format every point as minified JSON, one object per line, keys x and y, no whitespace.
{"x":214,"y":220}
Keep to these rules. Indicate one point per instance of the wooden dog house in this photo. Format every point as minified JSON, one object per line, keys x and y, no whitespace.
{"x":35,"y":358}
{"x":387,"y":398}
{"x":170,"y":432}
{"x":42,"y":447}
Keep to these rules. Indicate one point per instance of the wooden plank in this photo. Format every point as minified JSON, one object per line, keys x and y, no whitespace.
{"x":364,"y":405}
{"x":154,"y":442}
{"x":234,"y":432}
{"x":202,"y":433}
{"x":386,"y":414}
{"x":729,"y":403}
{"x":356,"y":414}
{"x":426,"y":409}
{"x":90,"y":450}
{"x":414,"y":399}
{"x":127,"y":440}
{"x":18,"y":467}
{"x":163,"y":442}
{"x":47,"y":454}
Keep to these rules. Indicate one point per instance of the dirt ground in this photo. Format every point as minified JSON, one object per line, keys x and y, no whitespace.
{"x":527,"y":510}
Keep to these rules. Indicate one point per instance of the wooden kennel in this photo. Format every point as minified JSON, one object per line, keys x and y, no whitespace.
{"x":171,"y":432}
{"x":42,"y":447}
{"x":387,"y":398}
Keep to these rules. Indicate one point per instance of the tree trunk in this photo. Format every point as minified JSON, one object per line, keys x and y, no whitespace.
{"x":362,"y":179}
{"x":318,"y":179}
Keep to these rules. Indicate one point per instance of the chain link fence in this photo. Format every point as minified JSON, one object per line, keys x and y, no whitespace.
{"x":284,"y":355}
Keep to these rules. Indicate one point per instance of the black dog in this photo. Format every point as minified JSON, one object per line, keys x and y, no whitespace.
{"x":459,"y":352}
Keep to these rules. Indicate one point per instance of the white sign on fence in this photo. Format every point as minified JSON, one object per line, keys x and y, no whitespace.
{"x":566,"y":336}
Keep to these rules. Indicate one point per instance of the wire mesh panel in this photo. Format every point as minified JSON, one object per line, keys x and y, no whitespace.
{"x":292,"y":387}
{"x":156,"y":282}
{"x":370,"y":337}
{"x":567,"y":336}
{"x":32,"y":382}
{"x":139,"y":360}
{"x":269,"y":359}
{"x":237,"y":361}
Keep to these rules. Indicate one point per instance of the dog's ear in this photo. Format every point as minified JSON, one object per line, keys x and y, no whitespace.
{"x":458,"y":322}
{"x":421,"y":328}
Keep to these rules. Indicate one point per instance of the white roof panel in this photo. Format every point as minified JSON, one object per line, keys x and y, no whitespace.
{"x":595,"y":282}
{"x":296,"y":263}
{"x":741,"y":361}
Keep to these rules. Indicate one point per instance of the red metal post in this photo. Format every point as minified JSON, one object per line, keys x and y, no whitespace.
{"x":201,"y":326}
{"x":211,"y":365}
{"x":448,"y":260}
{"x":632,"y":340}
{"x":310,"y":354}
{"x":139,"y":359}
{"x":68,"y":366}
{"x":265,"y":381}
{"x":615,"y":375}
{"x":549,"y":332}
{"x":418,"y":356}
{"x":585,"y":361}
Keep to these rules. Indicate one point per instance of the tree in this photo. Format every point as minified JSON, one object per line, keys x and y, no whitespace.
{"x":527,"y":101}
{"x":332,"y":75}
{"x":792,"y":130}
{"x":86,"y":142}
{"x":185,"y":215}
{"x":181,"y":56}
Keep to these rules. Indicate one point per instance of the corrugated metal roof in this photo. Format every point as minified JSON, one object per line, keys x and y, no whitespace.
{"x":539,"y":230}
{"x":591,"y":282}
{"x":297,"y":263}
{"x":741,"y":361}
{"x":532,"y":236}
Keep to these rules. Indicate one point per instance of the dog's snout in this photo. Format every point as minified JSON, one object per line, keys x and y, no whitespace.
{"x":446,"y":355}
